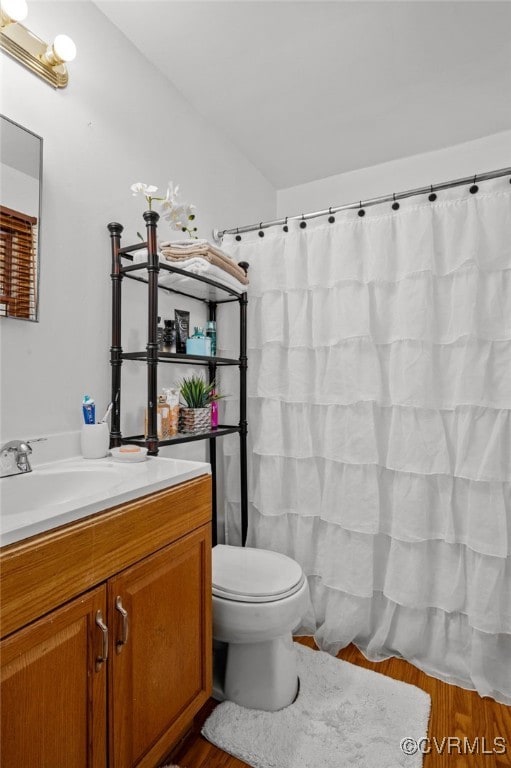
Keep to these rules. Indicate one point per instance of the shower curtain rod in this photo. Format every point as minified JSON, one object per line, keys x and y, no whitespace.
{"x":218,"y":234}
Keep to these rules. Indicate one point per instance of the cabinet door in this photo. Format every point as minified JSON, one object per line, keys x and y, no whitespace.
{"x":161,"y":673}
{"x":53,"y":692}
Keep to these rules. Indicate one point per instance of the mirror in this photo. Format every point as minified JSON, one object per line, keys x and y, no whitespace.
{"x":21,"y":157}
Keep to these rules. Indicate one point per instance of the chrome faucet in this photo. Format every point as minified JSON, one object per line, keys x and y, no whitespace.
{"x":14,"y":457}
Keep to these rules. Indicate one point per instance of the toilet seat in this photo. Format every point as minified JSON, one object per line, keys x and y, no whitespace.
{"x":249,"y":575}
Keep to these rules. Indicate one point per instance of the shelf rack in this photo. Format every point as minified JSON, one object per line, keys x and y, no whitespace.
{"x":152,"y":356}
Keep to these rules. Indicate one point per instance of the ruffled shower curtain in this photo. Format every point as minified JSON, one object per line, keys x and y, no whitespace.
{"x":380,"y":427}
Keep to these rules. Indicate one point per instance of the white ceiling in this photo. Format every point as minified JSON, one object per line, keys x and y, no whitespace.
{"x":311,"y":89}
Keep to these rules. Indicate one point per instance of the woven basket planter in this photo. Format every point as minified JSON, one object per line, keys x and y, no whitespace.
{"x":194,"y":421}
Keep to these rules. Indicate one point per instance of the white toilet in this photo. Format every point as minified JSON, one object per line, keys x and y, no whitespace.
{"x":259,"y":597}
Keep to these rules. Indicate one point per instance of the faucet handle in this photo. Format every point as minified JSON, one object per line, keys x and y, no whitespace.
{"x":36,"y":440}
{"x":16,"y":446}
{"x":14,"y":457}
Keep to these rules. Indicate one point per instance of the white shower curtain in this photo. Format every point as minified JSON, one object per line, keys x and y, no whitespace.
{"x":380,"y":427}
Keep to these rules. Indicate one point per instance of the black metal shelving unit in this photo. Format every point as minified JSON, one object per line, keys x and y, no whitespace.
{"x":152,"y":356}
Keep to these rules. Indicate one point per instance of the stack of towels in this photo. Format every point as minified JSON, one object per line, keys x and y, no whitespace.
{"x":203,"y":258}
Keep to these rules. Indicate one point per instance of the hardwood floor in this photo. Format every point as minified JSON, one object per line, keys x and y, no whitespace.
{"x":454,"y":712}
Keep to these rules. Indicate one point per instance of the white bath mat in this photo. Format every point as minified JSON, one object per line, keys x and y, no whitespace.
{"x":344,"y":717}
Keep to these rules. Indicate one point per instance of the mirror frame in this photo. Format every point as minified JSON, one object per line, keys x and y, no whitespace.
{"x":39,"y":234}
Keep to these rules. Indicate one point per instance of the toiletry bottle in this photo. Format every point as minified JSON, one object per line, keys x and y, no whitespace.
{"x":169,"y":336}
{"x":89,"y":410}
{"x":172,"y":399}
{"x":211,"y":334}
{"x":162,"y":419}
{"x":182,"y":326}
{"x":214,"y":413}
{"x":159,"y":334}
{"x":164,"y":410}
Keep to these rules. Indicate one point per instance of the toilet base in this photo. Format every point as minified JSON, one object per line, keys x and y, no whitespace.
{"x":219,"y":661}
{"x":261,"y":675}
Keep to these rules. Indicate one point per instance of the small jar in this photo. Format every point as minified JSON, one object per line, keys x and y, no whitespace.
{"x":198,"y":344}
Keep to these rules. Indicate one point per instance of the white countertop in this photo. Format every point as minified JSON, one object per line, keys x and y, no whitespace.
{"x":65,"y":491}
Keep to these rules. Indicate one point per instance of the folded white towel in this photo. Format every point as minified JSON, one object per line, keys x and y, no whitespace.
{"x":183,"y":243}
{"x":195,"y":265}
{"x":199,"y":266}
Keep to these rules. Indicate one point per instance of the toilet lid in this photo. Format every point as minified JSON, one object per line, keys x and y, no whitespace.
{"x":254,"y":575}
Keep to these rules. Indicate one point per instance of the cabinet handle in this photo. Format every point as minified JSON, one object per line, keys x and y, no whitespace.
{"x":104,"y":631}
{"x":124,"y":614}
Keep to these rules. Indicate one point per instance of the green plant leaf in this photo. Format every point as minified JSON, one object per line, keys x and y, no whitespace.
{"x":196,"y":392}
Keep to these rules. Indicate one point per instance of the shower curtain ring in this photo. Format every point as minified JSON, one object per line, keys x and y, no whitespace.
{"x":238,"y":236}
{"x":432,"y":195}
{"x":285,"y":227}
{"x":303,"y":223}
{"x":261,"y":233}
{"x":331,"y":218}
{"x":395,"y":205}
{"x":361,"y":211}
{"x":474,"y":188}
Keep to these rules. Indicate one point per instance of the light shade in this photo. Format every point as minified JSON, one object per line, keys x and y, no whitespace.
{"x":64,"y":48}
{"x":15,"y":10}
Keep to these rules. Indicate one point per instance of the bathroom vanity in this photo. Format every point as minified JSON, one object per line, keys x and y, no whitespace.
{"x":106,"y":633}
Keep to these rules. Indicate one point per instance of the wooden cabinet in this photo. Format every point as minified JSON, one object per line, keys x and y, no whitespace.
{"x":159,"y":666}
{"x":53,"y":696}
{"x":63,"y":706}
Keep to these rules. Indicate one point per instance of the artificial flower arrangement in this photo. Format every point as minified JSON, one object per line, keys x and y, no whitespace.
{"x":179,"y":215}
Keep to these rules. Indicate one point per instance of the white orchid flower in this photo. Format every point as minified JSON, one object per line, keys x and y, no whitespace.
{"x":167,"y":206}
{"x":173,"y":191}
{"x":168,"y":211}
{"x":170,"y":199}
{"x":146,"y":189}
{"x":177,"y":214}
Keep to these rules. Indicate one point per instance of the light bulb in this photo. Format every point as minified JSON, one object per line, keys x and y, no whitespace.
{"x":64,"y":48}
{"x":13,"y":10}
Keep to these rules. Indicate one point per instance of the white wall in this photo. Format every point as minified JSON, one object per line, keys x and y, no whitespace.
{"x":118,"y":121}
{"x":487,"y":154}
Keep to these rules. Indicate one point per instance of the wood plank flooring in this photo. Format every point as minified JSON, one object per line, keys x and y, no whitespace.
{"x":454,"y":712}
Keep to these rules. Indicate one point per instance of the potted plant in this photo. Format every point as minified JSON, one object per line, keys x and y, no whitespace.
{"x":195,"y":416}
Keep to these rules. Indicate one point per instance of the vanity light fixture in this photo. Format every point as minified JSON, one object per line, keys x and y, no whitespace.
{"x":46,"y":61}
{"x":12,"y":11}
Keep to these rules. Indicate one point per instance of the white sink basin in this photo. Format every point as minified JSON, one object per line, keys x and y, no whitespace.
{"x":60,"y":492}
{"x":49,"y":486}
